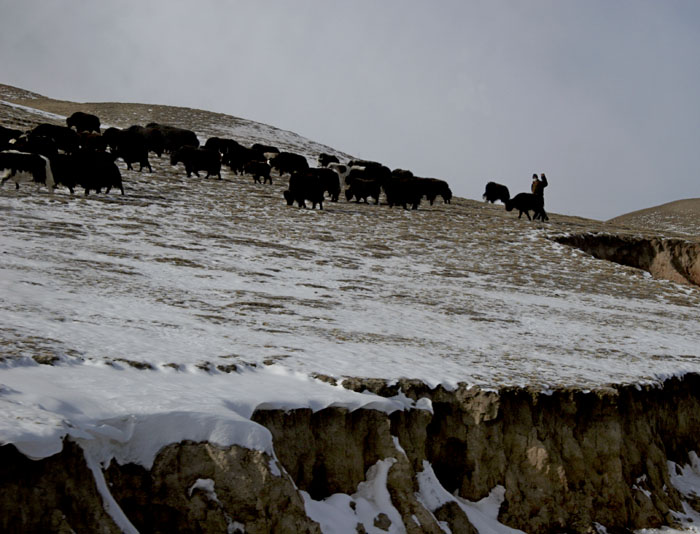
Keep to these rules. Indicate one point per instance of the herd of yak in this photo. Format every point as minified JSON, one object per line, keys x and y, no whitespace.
{"x":81,"y":154}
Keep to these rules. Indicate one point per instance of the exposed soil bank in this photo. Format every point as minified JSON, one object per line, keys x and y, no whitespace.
{"x":670,"y":259}
{"x":567,"y":459}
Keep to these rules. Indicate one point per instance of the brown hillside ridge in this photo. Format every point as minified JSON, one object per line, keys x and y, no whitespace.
{"x":680,"y":216}
{"x":123,"y":115}
{"x":643,"y":235}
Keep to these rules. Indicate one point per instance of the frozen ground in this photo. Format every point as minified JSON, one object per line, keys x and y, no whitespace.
{"x":193,"y":272}
{"x":192,"y":302}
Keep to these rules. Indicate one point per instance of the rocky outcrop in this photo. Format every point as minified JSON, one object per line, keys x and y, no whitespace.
{"x":56,"y":494}
{"x":669,"y":259}
{"x":566,"y":459}
{"x":199,"y":487}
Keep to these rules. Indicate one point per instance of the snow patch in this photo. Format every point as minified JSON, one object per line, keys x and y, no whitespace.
{"x":129,"y":414}
{"x":340,"y":513}
{"x":482,"y":514}
{"x":686,"y":479}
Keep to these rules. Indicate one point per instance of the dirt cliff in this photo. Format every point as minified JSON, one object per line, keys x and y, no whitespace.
{"x":568,"y":459}
{"x":677,"y":260}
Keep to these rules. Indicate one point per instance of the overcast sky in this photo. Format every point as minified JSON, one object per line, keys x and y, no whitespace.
{"x":603,"y":96}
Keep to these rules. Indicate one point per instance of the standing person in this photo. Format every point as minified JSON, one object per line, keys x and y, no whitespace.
{"x":538,"y":185}
{"x":535,"y":183}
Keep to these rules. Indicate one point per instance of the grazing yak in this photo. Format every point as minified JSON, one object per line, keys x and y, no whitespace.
{"x":97,"y":170}
{"x":63,"y":137}
{"x":175,"y":137}
{"x":92,"y":170}
{"x":22,"y":167}
{"x":8,"y":136}
{"x":366,"y":181}
{"x":403,"y":191}
{"x":330,"y":181}
{"x":197,"y":159}
{"x":401,"y":173}
{"x":153,"y":138}
{"x":258,"y":169}
{"x":526,"y":202}
{"x":288,"y":163}
{"x":496,"y":192}
{"x":129,"y":145}
{"x":84,"y":122}
{"x":432,"y":187}
{"x":223,"y":145}
{"x":364,"y":163}
{"x":65,"y":171}
{"x":237,"y":158}
{"x":362,"y":188}
{"x":111,"y":136}
{"x":92,"y":141}
{"x":326,"y":159}
{"x":36,"y":144}
{"x":265,"y":149}
{"x":305,"y":185}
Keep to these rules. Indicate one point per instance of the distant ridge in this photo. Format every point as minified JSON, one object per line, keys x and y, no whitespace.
{"x":124,"y":114}
{"x":681,"y":207}
{"x":8,"y":92}
{"x":680,"y":216}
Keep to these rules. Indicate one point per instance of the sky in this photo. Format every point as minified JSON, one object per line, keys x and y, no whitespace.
{"x":600,"y":96}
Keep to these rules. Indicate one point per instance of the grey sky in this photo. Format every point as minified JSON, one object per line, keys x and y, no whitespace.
{"x":600,"y":95}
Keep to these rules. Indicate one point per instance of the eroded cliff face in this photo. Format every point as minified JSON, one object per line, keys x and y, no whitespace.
{"x":567,"y":459}
{"x":198,"y":487}
{"x":56,"y":494}
{"x":677,"y":260}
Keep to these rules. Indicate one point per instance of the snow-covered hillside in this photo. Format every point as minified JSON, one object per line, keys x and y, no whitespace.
{"x":173,"y":312}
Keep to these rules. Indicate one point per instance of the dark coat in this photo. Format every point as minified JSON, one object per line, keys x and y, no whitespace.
{"x":305,"y":185}
{"x":496,"y":192}
{"x":175,"y":137}
{"x":404,"y":192}
{"x":84,"y":122}
{"x":526,"y":202}
{"x":289,"y":163}
{"x":130,"y":145}
{"x":63,"y":137}
{"x":434,"y":187}
{"x":325,"y":159}
{"x":258,"y":169}
{"x":96,"y":171}
{"x":238,"y":157}
{"x":198,"y":159}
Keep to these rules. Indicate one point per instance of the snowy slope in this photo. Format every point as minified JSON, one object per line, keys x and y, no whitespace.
{"x":181,"y":307}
